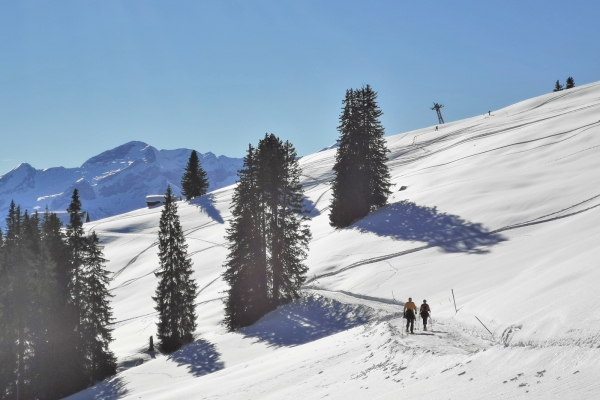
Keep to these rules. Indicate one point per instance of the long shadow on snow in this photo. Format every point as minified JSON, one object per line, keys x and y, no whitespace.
{"x":110,"y":389}
{"x":407,"y":221}
{"x":310,"y":208}
{"x":305,"y":320}
{"x":200,"y":356}
{"x":206,"y":204}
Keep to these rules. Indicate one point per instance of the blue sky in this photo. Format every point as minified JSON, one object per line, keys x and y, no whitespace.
{"x":81,"y":77}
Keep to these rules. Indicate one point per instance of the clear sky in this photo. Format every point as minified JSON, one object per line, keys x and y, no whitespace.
{"x":81,"y":77}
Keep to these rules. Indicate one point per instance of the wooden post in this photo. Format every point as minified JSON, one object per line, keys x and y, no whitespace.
{"x":454,"y":301}
{"x":151,"y":348}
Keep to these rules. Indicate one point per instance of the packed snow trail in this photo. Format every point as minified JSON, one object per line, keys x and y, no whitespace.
{"x":503,"y":209}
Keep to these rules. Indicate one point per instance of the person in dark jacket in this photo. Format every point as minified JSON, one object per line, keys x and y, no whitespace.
{"x":410,"y":313}
{"x":425,"y":313}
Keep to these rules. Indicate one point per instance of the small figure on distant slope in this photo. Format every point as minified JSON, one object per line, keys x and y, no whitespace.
{"x":425,"y":312}
{"x":410,"y":312}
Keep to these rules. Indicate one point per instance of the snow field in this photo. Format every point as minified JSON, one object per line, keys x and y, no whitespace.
{"x":503,"y":209}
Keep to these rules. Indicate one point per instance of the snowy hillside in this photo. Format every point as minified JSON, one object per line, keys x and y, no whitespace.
{"x":503,"y":209}
{"x":111,"y":183}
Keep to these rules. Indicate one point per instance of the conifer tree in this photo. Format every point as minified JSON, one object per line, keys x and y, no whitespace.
{"x":267,"y":237}
{"x":194,"y":182}
{"x":97,"y":333}
{"x":362,"y":179}
{"x":557,"y":87}
{"x":62,"y":336}
{"x":176,"y":289}
{"x":8,"y":305}
{"x":41,"y":287}
{"x":570,"y":83}
{"x":246,"y":267}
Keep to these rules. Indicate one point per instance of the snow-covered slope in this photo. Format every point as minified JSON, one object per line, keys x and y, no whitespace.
{"x":501,"y":209}
{"x":111,"y":183}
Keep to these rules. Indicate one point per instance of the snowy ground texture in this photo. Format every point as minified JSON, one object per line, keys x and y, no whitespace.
{"x":504,"y":209}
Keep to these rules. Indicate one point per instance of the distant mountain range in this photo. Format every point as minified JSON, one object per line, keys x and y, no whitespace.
{"x":113,"y":182}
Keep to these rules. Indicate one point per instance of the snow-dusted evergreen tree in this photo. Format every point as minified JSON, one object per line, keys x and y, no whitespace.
{"x":557,"y":87}
{"x":176,"y":289}
{"x":362,"y":179}
{"x":96,"y":330}
{"x":570,"y":83}
{"x":267,"y":237}
{"x":194,"y":182}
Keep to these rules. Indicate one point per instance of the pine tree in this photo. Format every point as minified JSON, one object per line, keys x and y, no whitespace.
{"x":362,"y":179}
{"x":557,"y":87}
{"x":194,"y":182}
{"x":8,"y":325}
{"x":267,"y":237}
{"x":290,"y":248}
{"x":62,"y":336}
{"x":176,"y":289}
{"x":246,"y":268}
{"x":95,"y":327}
{"x":378,"y":174}
{"x":77,"y":247}
{"x":570,"y":83}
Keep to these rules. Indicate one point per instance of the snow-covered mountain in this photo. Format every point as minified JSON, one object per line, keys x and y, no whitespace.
{"x":113,"y":182}
{"x":501,"y":210}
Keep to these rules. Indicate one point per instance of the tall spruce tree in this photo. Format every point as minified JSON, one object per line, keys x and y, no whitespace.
{"x":194,"y":182}
{"x":557,"y":87}
{"x":362,"y":179}
{"x":570,"y":83}
{"x":47,"y":343}
{"x":267,"y":237}
{"x":246,"y":267}
{"x":10,"y":306}
{"x":77,"y":247}
{"x":62,"y":336}
{"x":97,"y":335}
{"x":176,"y":289}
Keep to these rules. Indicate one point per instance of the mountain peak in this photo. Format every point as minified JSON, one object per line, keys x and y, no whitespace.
{"x":131,"y":151}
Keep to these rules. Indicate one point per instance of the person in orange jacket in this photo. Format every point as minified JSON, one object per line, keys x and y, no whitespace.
{"x":410,"y":313}
{"x":425,"y":313}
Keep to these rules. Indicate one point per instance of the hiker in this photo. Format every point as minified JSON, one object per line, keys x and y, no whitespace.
{"x":410,"y":312}
{"x":425,"y":312}
{"x":436,"y":128}
{"x":489,"y":113}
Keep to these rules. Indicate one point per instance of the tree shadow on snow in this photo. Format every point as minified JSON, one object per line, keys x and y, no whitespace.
{"x":310,"y":208}
{"x":407,"y":221}
{"x":200,"y":356}
{"x":206,"y":204}
{"x":305,"y":320}
{"x":110,"y":389}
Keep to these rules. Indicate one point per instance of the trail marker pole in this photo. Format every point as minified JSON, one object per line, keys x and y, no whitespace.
{"x":454,"y":302}
{"x":485,"y":327}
